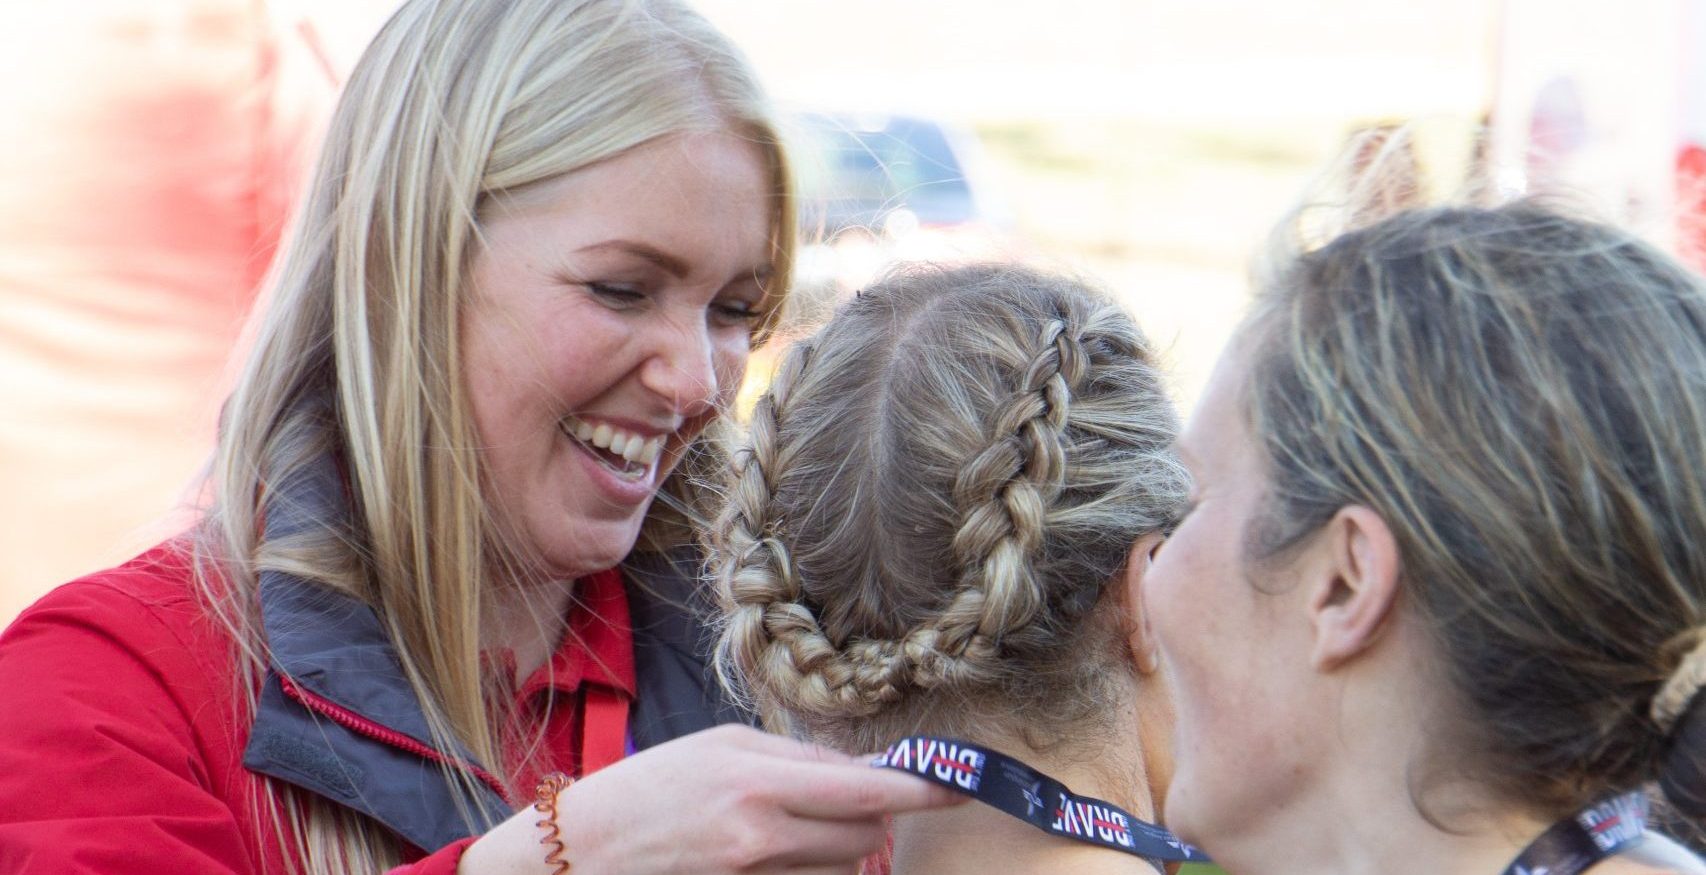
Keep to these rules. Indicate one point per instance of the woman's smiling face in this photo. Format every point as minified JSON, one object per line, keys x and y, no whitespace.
{"x":608,"y":322}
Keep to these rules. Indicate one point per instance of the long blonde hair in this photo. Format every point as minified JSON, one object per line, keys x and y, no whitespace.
{"x":357,"y":357}
{"x":938,"y":491}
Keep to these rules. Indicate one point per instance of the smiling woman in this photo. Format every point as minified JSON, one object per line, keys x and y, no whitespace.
{"x":610,"y":316}
{"x":444,"y":540}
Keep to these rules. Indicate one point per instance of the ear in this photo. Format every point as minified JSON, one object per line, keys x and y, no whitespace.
{"x":1140,"y":638}
{"x":1357,"y":587}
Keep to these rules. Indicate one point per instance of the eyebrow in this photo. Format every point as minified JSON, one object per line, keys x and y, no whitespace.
{"x":670,"y":264}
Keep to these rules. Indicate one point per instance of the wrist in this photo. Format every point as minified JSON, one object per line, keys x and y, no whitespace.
{"x":520,"y":844}
{"x":546,"y":798}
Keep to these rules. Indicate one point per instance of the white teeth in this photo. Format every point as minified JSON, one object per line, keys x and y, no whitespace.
{"x":631,"y":447}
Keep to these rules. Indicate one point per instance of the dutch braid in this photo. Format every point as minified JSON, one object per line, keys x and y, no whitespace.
{"x":1006,"y":490}
{"x":862,"y":427}
{"x":769,"y":633}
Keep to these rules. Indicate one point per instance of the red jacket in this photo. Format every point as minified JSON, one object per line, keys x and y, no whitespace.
{"x":122,"y":745}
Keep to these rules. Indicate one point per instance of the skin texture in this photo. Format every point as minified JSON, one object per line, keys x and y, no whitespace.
{"x":1220,"y":636}
{"x":616,"y":294}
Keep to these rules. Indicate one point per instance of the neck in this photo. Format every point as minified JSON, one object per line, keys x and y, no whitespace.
{"x":526,"y":621}
{"x":1358,"y":825}
{"x":976,"y":839}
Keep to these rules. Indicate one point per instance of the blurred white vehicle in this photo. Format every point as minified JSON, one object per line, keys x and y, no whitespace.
{"x":881,"y":189}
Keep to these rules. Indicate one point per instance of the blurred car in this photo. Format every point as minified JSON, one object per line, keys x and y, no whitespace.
{"x":876,"y":189}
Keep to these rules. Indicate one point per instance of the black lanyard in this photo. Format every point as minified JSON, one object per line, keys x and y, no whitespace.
{"x":1005,"y":783}
{"x":1573,"y":844}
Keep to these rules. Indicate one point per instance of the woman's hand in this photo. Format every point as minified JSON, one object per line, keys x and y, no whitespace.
{"x":725,"y":800}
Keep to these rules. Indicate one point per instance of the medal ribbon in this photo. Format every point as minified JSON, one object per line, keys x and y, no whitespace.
{"x":1573,"y":844}
{"x":999,"y":781}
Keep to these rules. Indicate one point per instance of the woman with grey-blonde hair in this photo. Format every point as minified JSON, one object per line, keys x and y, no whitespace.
{"x":937,"y":526}
{"x":1440,"y":602}
{"x":439,"y":571}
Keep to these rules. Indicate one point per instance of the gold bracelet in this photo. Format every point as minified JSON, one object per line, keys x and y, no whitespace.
{"x":546,"y":803}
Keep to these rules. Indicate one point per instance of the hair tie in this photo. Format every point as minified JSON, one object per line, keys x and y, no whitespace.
{"x":1680,"y":688}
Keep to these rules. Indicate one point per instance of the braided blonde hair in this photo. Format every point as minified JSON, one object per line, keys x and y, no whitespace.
{"x":936,"y":493}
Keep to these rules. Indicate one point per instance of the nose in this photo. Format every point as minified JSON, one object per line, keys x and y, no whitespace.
{"x":679,"y":367}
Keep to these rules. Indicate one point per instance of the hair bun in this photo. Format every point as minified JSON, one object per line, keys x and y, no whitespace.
{"x":1682,"y":771}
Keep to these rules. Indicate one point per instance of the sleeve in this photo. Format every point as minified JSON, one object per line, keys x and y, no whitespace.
{"x":441,"y":862}
{"x":100,"y":770}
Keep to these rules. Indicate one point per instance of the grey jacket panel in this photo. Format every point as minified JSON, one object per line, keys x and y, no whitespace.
{"x":673,"y":638}
{"x":335,"y":648}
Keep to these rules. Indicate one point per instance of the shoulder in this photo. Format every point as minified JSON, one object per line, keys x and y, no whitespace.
{"x":149,"y":600}
{"x":136,"y":631}
{"x":118,"y":678}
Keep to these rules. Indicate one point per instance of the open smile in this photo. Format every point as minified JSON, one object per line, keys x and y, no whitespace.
{"x":626,"y":454}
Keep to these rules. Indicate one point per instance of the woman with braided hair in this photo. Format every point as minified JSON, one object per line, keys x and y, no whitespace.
{"x":1439,"y":603}
{"x":939,"y":524}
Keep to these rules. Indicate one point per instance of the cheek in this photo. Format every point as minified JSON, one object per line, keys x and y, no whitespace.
{"x":1166,"y":594}
{"x":728,"y":358}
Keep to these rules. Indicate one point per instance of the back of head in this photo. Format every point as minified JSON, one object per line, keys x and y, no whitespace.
{"x":938,"y":489}
{"x":1521,"y":395}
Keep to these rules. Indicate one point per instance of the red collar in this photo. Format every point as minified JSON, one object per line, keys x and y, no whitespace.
{"x":599,"y":645}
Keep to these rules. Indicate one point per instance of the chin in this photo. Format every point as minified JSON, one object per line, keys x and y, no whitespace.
{"x":611,"y":545}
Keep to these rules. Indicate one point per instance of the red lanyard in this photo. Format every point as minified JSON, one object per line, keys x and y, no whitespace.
{"x":604,"y":727}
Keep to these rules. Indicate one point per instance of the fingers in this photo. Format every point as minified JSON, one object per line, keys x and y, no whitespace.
{"x":812,"y":781}
{"x":782,"y":746}
{"x":858,"y":790}
{"x":830,"y":843}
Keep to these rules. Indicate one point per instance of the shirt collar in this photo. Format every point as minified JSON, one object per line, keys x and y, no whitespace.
{"x":598,"y":647}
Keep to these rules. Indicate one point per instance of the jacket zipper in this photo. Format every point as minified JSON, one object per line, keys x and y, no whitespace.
{"x":356,"y":723}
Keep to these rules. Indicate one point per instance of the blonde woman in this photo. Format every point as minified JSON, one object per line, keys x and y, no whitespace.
{"x":1439,"y":603}
{"x":541,"y":239}
{"x":948,"y":499}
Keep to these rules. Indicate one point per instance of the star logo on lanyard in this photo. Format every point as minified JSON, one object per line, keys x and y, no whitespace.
{"x":1033,"y":798}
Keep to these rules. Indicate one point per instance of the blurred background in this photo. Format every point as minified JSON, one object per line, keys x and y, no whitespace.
{"x":151,"y":149}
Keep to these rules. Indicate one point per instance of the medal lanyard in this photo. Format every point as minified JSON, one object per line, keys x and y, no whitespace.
{"x":1573,"y":844}
{"x":1007,"y":784}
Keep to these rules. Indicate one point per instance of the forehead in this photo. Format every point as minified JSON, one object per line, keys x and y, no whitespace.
{"x":700,"y":196}
{"x":1216,"y":438}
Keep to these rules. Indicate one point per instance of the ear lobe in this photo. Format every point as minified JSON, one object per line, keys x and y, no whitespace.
{"x":1358,"y":589}
{"x":1140,"y":637}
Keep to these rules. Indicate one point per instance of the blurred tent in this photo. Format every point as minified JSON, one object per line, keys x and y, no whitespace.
{"x":1591,"y":104}
{"x":148,"y":152}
